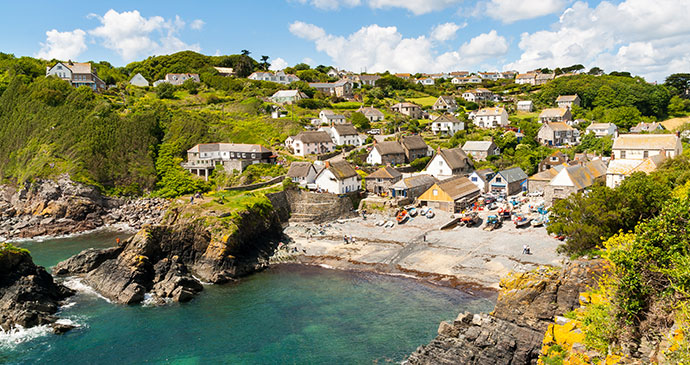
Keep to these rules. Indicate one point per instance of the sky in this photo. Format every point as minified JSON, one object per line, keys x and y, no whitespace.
{"x":650,"y":38}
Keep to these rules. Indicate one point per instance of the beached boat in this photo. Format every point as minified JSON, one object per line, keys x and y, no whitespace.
{"x":538,"y":221}
{"x":402,"y":217}
{"x":380,"y":223}
{"x":471,"y":219}
{"x":389,"y":224}
{"x":430,"y":214}
{"x":521,"y":220}
{"x":412,"y":212}
{"x":504,"y":213}
{"x":424,"y":211}
{"x":493,"y":222}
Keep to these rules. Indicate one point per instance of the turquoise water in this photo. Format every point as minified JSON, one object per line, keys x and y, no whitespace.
{"x":288,"y":314}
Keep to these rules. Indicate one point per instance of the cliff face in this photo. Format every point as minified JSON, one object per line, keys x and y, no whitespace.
{"x":212,"y":245}
{"x":513,"y":332}
{"x":47,"y":207}
{"x":28,"y":295}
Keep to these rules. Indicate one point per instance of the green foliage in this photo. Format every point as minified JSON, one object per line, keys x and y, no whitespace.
{"x":313,"y":104}
{"x":360,"y":121}
{"x":591,"y":143}
{"x":554,"y":355}
{"x":679,"y":82}
{"x":609,"y":92}
{"x":8,"y":248}
{"x":420,"y":163}
{"x":165,"y":91}
{"x":599,"y":327}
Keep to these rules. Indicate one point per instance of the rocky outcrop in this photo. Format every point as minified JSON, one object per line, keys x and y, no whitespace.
{"x":513,"y":332}
{"x":166,"y":260}
{"x":28,"y":295}
{"x":53,"y":208}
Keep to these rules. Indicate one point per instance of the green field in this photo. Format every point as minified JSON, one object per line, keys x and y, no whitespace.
{"x":425,"y":101}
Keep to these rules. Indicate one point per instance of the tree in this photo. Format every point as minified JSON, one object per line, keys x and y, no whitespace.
{"x":264,"y":63}
{"x":595,"y":71}
{"x":360,"y":121}
{"x":679,"y":83}
{"x":624,"y":117}
{"x":244,"y":52}
{"x":621,"y":73}
{"x":678,"y":107}
{"x":243,"y":66}
{"x":165,"y":90}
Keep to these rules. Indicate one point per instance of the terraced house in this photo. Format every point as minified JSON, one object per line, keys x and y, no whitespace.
{"x":338,"y":178}
{"x":310,"y":143}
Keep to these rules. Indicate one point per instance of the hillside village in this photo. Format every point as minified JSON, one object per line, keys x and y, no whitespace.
{"x":470,"y":127}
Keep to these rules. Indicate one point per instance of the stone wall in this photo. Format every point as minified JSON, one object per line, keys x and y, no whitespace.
{"x":318,"y":207}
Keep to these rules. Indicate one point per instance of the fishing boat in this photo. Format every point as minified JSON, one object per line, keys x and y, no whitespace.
{"x":493,"y":222}
{"x":424,"y":211}
{"x":430,"y":214}
{"x":521,"y":220}
{"x":471,"y":219}
{"x":412,"y":212}
{"x":389,"y":224}
{"x":402,"y":217}
{"x":538,"y":221}
{"x":504,"y":213}
{"x":380,"y":223}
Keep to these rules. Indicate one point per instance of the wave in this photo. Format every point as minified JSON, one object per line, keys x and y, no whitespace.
{"x":78,"y":285}
{"x":18,"y":334}
{"x":117,"y":227}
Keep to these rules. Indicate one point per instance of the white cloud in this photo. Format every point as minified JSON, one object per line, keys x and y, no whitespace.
{"x":651,"y":41}
{"x":509,"y":11}
{"x":446,"y":31}
{"x":278,"y":64}
{"x":63,"y":45}
{"x":197,"y":24}
{"x":416,"y":7}
{"x":375,"y":49}
{"x":131,"y":35}
{"x":308,"y":61}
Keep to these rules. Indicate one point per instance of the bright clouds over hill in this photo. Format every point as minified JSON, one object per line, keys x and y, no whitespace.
{"x":645,"y":37}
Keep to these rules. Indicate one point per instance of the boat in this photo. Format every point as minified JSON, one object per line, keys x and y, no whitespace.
{"x":538,"y":221}
{"x":402,"y":217}
{"x":412,"y":211}
{"x":493,"y":222}
{"x":424,"y":211}
{"x":504,"y":214}
{"x":521,"y":220}
{"x":471,"y":219}
{"x":430,"y":214}
{"x":380,"y":223}
{"x":389,"y":224}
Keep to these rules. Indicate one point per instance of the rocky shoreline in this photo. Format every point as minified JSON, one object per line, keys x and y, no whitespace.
{"x":60,"y":207}
{"x":28,"y":294}
{"x":514,"y":331}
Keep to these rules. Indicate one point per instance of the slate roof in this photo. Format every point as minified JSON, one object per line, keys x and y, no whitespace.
{"x":414,"y":142}
{"x":483,"y":146}
{"x":513,"y":174}
{"x":385,"y":172}
{"x":490,"y":111}
{"x":414,"y":181}
{"x":447,"y":118}
{"x":584,"y":176}
{"x":594,"y":126}
{"x":79,"y":67}
{"x":389,"y":148}
{"x":313,"y":137}
{"x":553,"y":113}
{"x":287,"y":94}
{"x":299,"y":169}
{"x":558,"y":126}
{"x":369,"y":111}
{"x":547,"y":175}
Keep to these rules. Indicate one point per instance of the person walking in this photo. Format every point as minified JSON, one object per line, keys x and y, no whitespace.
{"x":524,"y":249}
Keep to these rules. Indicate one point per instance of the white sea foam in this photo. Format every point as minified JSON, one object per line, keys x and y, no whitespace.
{"x":151,"y":300}
{"x":326,"y":266}
{"x":19,"y":334}
{"x":201,"y":281}
{"x":78,"y":285}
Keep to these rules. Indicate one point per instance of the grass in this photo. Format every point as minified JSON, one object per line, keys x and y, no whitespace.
{"x":347,"y":105}
{"x":8,"y":248}
{"x":674,"y":123}
{"x":425,"y":101}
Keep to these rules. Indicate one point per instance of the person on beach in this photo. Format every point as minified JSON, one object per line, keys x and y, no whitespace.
{"x":191,"y":200}
{"x":117,"y":240}
{"x":524,"y":249}
{"x":528,"y":250}
{"x":345,"y":239}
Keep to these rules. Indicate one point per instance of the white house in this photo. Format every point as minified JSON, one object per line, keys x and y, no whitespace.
{"x":302,"y":173}
{"x":481,"y":179}
{"x":647,"y":127}
{"x":329,"y":117}
{"x":481,"y":150}
{"x":279,"y":77}
{"x":338,"y":177}
{"x":567,"y":101}
{"x":528,"y":78}
{"x":310,"y":142}
{"x":343,"y":134}
{"x":138,"y":80}
{"x":555,"y":115}
{"x":445,"y":103}
{"x":490,"y":75}
{"x":476,"y":95}
{"x":333,"y":73}
{"x":449,"y":162}
{"x":602,"y":129}
{"x":557,"y":134}
{"x":77,"y":74}
{"x":288,"y":96}
{"x":426,"y":81}
{"x":525,"y":105}
{"x":641,"y":146}
{"x":386,"y":153}
{"x":491,"y":118}
{"x":447,"y":124}
{"x":413,"y":111}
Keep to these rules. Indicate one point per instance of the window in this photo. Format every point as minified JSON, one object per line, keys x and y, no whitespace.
{"x":622,"y":154}
{"x":645,"y":154}
{"x":474,"y":178}
{"x":498,"y":179}
{"x":434,"y":192}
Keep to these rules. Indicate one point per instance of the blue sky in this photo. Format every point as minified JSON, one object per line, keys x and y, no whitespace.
{"x":649,"y":38}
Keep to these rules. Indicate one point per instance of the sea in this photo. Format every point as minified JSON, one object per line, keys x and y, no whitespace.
{"x":288,"y":314}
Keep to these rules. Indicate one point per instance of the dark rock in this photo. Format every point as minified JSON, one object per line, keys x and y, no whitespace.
{"x":513,"y":333}
{"x":61,"y":328}
{"x":28,"y":295}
